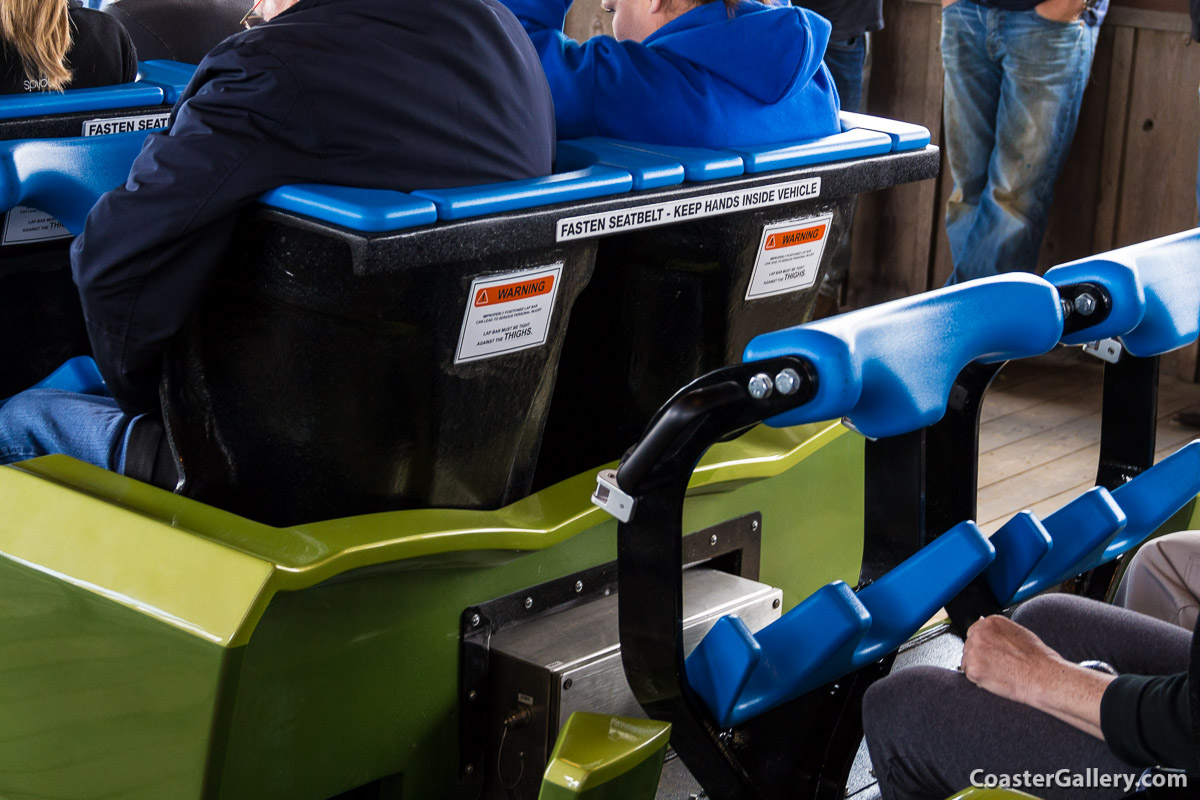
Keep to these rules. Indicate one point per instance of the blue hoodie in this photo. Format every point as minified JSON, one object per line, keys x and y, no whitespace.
{"x":703,"y":79}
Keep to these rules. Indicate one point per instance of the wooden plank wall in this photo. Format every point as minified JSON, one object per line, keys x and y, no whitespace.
{"x":1130,"y":176}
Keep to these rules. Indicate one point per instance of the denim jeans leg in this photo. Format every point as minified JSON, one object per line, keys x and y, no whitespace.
{"x":1046,"y":68}
{"x":845,"y":60}
{"x":41,"y":422}
{"x":971,"y":97}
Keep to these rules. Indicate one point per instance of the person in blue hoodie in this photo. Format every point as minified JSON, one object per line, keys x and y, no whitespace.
{"x":682,"y":72}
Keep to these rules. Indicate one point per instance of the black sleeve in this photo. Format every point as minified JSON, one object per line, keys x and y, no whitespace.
{"x":1147,"y":721}
{"x":149,"y":248}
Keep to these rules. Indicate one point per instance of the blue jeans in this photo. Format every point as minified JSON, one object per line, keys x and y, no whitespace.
{"x":845,"y":59}
{"x":41,"y":422}
{"x":1014,"y":84}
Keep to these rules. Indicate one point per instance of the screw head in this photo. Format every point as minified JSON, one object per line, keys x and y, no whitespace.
{"x":712,"y":540}
{"x":1085,"y":304}
{"x":578,"y":587}
{"x":787,"y":381}
{"x":529,"y":602}
{"x":567,"y":684}
{"x":760,"y":386}
{"x":471,"y":695}
{"x":775,"y":603}
{"x":475,"y":620}
{"x":754,"y":525}
{"x":470,"y":770}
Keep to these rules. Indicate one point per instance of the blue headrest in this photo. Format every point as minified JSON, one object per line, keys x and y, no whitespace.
{"x":40,"y":104}
{"x":1163,"y":274}
{"x":170,"y":76}
{"x":65,"y":177}
{"x":889,"y":367}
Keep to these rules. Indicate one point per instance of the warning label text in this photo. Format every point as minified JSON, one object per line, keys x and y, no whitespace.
{"x":695,"y":207}
{"x":507,"y":313}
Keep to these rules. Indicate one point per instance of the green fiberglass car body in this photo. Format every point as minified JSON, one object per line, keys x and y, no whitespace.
{"x":159,"y":648}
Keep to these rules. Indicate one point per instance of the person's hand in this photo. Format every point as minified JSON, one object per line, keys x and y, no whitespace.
{"x":1060,"y":10}
{"x":1009,"y":660}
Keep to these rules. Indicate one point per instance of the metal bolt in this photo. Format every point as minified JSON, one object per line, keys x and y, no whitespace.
{"x":578,"y":587}
{"x":712,"y":540}
{"x":760,"y":386}
{"x":471,"y":695}
{"x":529,"y":602}
{"x":475,"y":620}
{"x":567,"y":684}
{"x":775,"y":603}
{"x":1085,"y":304}
{"x":787,"y":381}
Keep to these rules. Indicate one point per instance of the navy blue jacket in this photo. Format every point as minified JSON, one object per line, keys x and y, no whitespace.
{"x":702,"y":79}
{"x":394,"y":94}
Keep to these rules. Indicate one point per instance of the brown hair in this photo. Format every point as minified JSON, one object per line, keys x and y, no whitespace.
{"x":40,"y":32}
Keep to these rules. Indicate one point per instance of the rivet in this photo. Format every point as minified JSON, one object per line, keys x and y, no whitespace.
{"x":528,"y":602}
{"x":578,"y":587}
{"x":475,"y":620}
{"x":712,"y":540}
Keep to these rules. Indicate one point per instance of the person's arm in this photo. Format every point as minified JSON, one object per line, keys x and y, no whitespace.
{"x":150,"y":247}
{"x":1145,"y":720}
{"x":1011,"y":661}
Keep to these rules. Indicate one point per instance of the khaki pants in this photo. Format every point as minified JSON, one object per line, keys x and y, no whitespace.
{"x":1163,"y":580}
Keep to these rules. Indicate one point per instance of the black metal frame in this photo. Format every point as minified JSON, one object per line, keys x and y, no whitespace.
{"x":774,"y":755}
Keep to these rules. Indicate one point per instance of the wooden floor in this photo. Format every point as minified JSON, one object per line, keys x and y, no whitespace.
{"x":1040,"y":433}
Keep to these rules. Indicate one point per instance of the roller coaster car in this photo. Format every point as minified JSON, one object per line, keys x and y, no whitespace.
{"x":164,"y":647}
{"x":168,"y":648}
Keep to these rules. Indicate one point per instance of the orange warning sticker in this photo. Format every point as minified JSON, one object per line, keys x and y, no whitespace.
{"x":507,"y":313}
{"x":789,"y":256}
{"x":792,"y":238}
{"x":521,"y":290}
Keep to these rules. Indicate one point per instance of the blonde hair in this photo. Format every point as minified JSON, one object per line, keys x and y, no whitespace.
{"x":40,"y":32}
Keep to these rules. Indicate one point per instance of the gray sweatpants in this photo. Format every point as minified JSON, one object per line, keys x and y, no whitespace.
{"x":930,"y":730}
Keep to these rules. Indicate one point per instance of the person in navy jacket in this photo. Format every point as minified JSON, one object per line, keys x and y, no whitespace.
{"x":706,"y":74}
{"x":389,"y":94}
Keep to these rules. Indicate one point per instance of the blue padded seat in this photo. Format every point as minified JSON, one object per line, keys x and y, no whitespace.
{"x":1156,"y":305}
{"x":103,"y":98}
{"x":494,"y":198}
{"x":367,"y":210}
{"x":699,"y":163}
{"x":65,"y":177}
{"x":889,"y":368}
{"x":854,"y":143}
{"x":648,"y":170}
{"x":79,"y":374}
{"x":170,"y":76}
{"x":904,"y":135}
{"x":831,"y":633}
